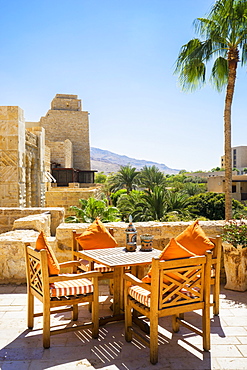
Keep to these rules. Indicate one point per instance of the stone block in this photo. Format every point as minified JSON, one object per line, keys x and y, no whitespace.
{"x":12,"y":256}
{"x":40,"y":222}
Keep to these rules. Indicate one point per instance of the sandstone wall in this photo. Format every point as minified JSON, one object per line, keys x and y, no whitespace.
{"x":61,"y":152}
{"x":12,"y":157}
{"x":162,"y":231}
{"x":12,"y":257}
{"x":9,"y":215}
{"x":67,"y":197}
{"x":12,"y":261}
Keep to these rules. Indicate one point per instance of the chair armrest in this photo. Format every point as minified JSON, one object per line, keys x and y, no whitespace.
{"x":135,"y":281}
{"x":89,"y":275}
{"x":69,"y":264}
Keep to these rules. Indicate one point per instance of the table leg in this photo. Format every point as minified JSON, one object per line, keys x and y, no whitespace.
{"x":118,"y":290}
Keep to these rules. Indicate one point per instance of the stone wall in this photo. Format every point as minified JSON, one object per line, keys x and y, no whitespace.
{"x":162,"y":231}
{"x":9,"y":215}
{"x":22,"y":181}
{"x":69,"y":196}
{"x":12,"y":261}
{"x":12,"y":157}
{"x":61,"y":153}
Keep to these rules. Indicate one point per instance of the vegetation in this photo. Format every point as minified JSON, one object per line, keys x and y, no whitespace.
{"x":150,"y":177}
{"x":224,"y":42}
{"x":92,"y":208}
{"x":212,"y":206}
{"x":235,"y":233}
{"x":125,"y":178}
{"x":157,"y":197}
{"x":100,"y":178}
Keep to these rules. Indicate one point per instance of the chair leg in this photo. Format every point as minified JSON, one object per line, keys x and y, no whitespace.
{"x":216,"y":298}
{"x":153,"y":339}
{"x":95,"y":310}
{"x":175,"y":323}
{"x":75,"y":312}
{"x":128,"y":322}
{"x":30,"y":310}
{"x":206,"y":328}
{"x":46,"y":326}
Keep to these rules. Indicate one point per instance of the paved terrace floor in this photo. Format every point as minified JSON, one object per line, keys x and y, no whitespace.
{"x":21,"y":349}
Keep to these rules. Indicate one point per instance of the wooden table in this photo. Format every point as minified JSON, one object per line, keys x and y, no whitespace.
{"x":118,"y":259}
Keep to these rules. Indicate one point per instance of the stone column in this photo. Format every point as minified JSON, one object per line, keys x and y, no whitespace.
{"x":38,"y":169}
{"x":12,"y":157}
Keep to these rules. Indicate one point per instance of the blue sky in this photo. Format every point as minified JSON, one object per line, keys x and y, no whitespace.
{"x":118,"y":56}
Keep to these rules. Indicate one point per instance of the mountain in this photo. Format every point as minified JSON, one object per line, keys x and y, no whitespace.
{"x":107,"y":162}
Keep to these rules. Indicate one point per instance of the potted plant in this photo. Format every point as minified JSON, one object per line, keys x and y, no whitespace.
{"x":234,"y":238}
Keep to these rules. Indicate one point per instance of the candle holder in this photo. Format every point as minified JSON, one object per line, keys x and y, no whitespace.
{"x":146,"y":242}
{"x":131,"y":236}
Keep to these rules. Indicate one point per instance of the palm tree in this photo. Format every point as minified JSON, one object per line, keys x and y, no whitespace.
{"x":150,"y":176}
{"x":125,"y":178}
{"x":90,"y":209}
{"x":152,"y":205}
{"x":224,"y":38}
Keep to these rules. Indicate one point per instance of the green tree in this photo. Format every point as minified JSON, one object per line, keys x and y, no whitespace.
{"x":100,"y":178}
{"x":177,"y":202}
{"x":125,"y":178}
{"x":115,"y":196}
{"x":129,"y":203}
{"x":223,"y":37}
{"x":191,"y":188}
{"x":90,"y":209}
{"x":152,"y":205}
{"x":212,"y":206}
{"x":150,"y":176}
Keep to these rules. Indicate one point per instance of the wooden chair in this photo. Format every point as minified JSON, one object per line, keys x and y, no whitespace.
{"x":177,"y":286}
{"x":107,"y":272}
{"x":85,"y":265}
{"x":215,"y":273}
{"x":57,"y":291}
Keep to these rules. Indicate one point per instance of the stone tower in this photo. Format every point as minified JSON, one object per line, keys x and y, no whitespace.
{"x":66,"y":121}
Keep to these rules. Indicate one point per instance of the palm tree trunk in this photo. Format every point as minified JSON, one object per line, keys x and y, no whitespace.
{"x":232,"y":67}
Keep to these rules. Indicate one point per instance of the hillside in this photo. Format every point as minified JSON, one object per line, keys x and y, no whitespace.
{"x":107,"y":162}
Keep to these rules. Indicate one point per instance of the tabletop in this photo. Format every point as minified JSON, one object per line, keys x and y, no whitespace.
{"x":119,"y":256}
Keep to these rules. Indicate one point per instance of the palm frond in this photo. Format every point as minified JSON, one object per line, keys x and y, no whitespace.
{"x":244,"y":54}
{"x":219,"y":75}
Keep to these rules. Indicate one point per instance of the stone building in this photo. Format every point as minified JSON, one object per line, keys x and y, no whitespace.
{"x":239,"y":159}
{"x":67,"y":131}
{"x":28,"y":150}
{"x":22,"y":161}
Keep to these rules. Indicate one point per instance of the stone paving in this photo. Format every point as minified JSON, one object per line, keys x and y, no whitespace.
{"x":22,"y":349}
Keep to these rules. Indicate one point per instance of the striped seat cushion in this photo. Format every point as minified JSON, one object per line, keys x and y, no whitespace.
{"x":140,"y":294}
{"x":102,"y":268}
{"x":71,"y":287}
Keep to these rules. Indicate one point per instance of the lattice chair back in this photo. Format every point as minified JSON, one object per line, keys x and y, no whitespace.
{"x":181,"y":285}
{"x":177,"y":286}
{"x":35,"y":273}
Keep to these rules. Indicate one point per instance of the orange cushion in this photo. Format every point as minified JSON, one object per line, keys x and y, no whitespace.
{"x":175,"y":250}
{"x":53,"y":265}
{"x":96,"y":237}
{"x":194,"y":239}
{"x":171,"y":251}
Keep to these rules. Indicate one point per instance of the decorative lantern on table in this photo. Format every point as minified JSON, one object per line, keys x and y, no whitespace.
{"x":131,"y":235}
